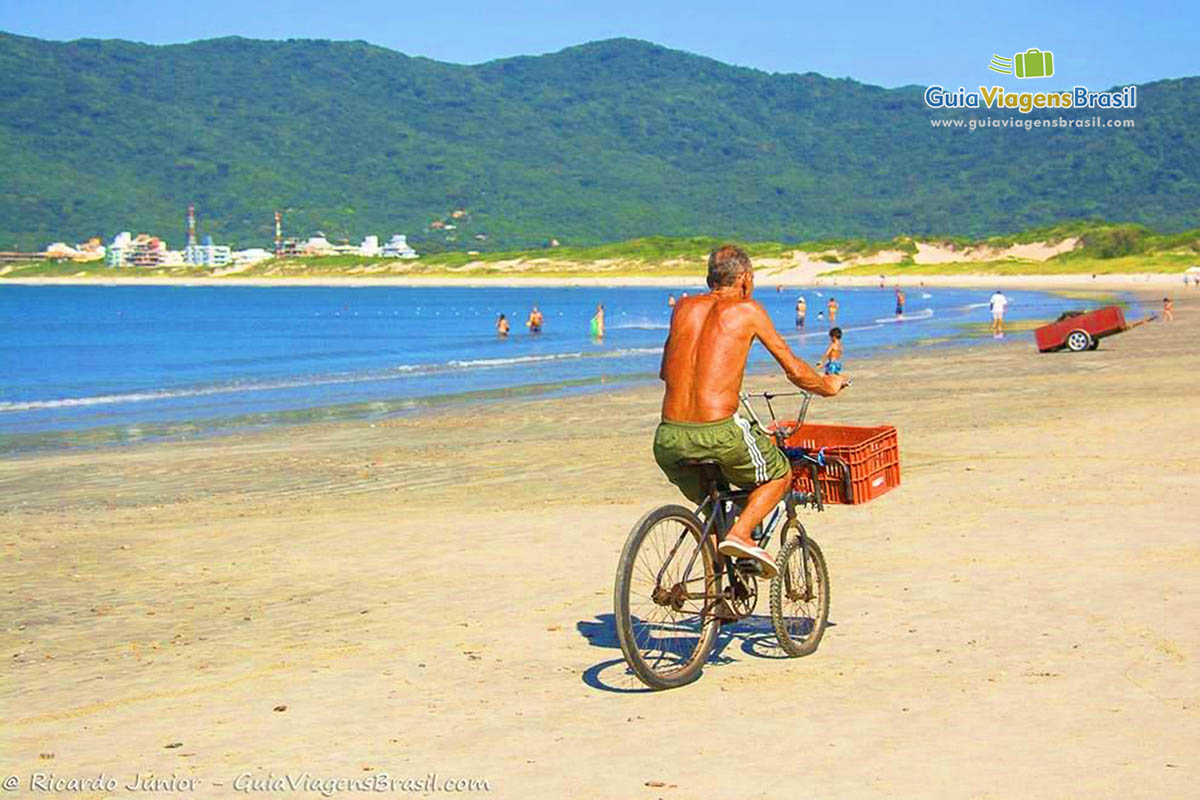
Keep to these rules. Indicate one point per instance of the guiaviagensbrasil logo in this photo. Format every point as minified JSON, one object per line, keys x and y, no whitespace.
{"x":1033,"y":63}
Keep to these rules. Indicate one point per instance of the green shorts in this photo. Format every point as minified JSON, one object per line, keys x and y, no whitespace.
{"x":747,"y":454}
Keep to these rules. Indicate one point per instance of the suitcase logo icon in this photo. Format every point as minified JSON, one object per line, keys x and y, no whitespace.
{"x":1033,"y":63}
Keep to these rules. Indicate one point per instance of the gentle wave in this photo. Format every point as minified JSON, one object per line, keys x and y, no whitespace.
{"x":316,"y":380}
{"x":817,"y":331}
{"x":917,"y":315}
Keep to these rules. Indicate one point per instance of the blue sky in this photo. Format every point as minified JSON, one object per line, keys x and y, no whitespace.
{"x":1098,"y":44}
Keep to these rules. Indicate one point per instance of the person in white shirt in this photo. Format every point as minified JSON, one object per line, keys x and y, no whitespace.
{"x":997,"y":304}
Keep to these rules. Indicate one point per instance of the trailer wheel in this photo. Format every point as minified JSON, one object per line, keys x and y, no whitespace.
{"x":1078,"y":341}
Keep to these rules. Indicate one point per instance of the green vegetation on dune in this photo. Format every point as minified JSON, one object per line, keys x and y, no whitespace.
{"x":94,"y":269}
{"x":604,"y":142}
{"x":1102,"y":248}
{"x":1158,"y":262}
{"x":660,"y":256}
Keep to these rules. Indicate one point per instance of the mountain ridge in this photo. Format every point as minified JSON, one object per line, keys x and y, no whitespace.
{"x":597,"y":142}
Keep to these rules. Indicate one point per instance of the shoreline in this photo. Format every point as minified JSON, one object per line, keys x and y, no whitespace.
{"x":127,"y":435}
{"x":1131,"y":282}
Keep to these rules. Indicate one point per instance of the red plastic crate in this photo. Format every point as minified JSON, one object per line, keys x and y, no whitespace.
{"x":872,"y":456}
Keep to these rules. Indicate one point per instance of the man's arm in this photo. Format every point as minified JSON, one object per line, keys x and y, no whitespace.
{"x":799,"y":373}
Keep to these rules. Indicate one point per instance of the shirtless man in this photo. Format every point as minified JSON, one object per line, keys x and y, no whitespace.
{"x":534,"y":323}
{"x":702,"y":366}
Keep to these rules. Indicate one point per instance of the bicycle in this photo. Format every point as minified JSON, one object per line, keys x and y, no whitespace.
{"x":690,"y":590}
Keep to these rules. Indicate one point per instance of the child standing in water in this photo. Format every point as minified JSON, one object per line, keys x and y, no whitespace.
{"x":833,"y":353}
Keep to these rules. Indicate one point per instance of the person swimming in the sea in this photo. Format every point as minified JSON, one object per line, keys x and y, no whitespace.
{"x":502,"y":326}
{"x":833,"y":354}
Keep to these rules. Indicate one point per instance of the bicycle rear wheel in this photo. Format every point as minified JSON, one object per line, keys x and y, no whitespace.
{"x":799,"y":594}
{"x":666,"y":588}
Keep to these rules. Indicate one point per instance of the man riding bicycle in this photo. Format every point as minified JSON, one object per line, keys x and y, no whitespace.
{"x":703,"y":363}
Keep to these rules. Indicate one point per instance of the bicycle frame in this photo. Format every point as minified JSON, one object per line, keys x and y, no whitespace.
{"x":715,"y":512}
{"x":717,"y":520}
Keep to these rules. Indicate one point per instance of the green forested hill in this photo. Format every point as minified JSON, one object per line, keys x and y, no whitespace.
{"x":600,"y":142}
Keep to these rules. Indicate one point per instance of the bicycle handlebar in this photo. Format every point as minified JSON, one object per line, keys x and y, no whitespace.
{"x":769,"y":396}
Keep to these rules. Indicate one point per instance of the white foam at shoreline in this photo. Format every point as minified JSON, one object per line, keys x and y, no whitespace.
{"x":318,"y":380}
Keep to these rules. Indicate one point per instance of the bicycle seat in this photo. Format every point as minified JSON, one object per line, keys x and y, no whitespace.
{"x":698,"y":462}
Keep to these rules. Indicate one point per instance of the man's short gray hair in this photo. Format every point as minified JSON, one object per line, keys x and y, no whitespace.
{"x":725,"y":264}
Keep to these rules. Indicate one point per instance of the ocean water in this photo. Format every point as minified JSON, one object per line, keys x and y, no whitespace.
{"x":95,"y":364}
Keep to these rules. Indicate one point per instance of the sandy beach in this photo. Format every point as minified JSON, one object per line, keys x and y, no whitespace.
{"x":433,"y":594}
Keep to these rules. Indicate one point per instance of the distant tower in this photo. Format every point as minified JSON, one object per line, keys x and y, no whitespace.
{"x":191,"y":226}
{"x":278,"y":234}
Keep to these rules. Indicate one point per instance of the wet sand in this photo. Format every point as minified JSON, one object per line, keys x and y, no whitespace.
{"x":434,"y":594}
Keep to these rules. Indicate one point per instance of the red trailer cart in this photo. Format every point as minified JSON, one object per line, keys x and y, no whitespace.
{"x":1081,"y":330}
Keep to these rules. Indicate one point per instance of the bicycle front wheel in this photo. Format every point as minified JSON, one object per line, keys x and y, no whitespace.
{"x":799,"y":594}
{"x":666,"y":588}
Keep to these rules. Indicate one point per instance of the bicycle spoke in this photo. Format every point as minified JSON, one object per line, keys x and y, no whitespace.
{"x":667,"y":624}
{"x":800,"y":597}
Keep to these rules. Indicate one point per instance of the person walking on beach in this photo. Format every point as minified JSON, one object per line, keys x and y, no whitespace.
{"x":899,"y":302}
{"x":502,"y":326}
{"x":598,"y":323}
{"x":534,"y":323}
{"x":833,"y":354}
{"x":801,"y":311}
{"x":1168,"y":309}
{"x":998,"y":304}
{"x":832,"y":307}
{"x":703,"y":363}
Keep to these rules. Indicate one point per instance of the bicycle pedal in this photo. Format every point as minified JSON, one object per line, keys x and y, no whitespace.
{"x":723,"y":613}
{"x":748,"y":566}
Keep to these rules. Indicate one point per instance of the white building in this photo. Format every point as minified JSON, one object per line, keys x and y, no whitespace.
{"x":173,"y":258}
{"x":251,"y":256}
{"x":397,"y":247}
{"x":140,"y":251}
{"x":317,"y":246}
{"x":117,"y":253}
{"x":369,"y":246}
{"x":207,"y":254}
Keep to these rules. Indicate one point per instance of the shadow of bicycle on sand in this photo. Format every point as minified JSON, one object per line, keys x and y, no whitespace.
{"x":752,"y":636}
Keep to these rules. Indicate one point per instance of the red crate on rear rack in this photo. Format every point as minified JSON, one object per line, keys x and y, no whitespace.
{"x":869,"y":456}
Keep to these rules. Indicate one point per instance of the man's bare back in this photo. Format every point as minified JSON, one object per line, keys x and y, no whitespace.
{"x":705,"y":356}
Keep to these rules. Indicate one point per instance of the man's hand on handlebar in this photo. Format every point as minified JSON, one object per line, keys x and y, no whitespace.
{"x":834,"y":384}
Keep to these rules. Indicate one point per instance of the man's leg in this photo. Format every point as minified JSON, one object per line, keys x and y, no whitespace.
{"x":764,"y":497}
